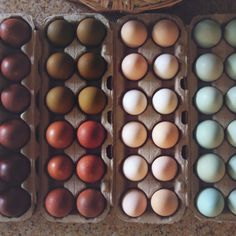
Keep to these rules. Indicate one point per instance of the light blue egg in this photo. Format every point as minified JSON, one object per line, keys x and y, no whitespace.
{"x":230,"y":66}
{"x":231,"y":201}
{"x":210,"y":202}
{"x":230,"y":33}
{"x":230,"y":99}
{"x":231,"y":133}
{"x":231,"y":167}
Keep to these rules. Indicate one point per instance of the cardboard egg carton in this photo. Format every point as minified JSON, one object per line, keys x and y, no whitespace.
{"x":30,"y":115}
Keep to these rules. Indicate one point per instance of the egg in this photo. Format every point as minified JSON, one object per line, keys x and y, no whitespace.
{"x":165,"y":101}
{"x":230,"y":33}
{"x":165,"y":33}
{"x":134,"y":134}
{"x":231,"y":133}
{"x":164,"y":168}
{"x":133,"y":33}
{"x":210,"y":168}
{"x":208,"y":100}
{"x":209,"y":134}
{"x":231,"y":167}
{"x":60,"y":134}
{"x":60,"y":99}
{"x":210,"y":202}
{"x":91,"y":66}
{"x":135,"y":168}
{"x":59,"y":202}
{"x":231,"y":201}
{"x":90,"y":203}
{"x":165,"y":134}
{"x":92,"y":100}
{"x":230,"y":66}
{"x":209,"y":67}
{"x":134,"y":102}
{"x":134,"y":66}
{"x":166,"y":66}
{"x":164,"y":202}
{"x":91,"y":134}
{"x":207,"y":33}
{"x":230,"y":99}
{"x":134,"y":203}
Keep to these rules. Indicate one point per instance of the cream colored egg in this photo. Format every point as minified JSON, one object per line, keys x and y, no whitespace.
{"x":166,"y":66}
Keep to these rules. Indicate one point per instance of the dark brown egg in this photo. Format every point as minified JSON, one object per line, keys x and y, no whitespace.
{"x":5,"y":50}
{"x":14,"y":134}
{"x":60,"y":33}
{"x":91,"y":134}
{"x":59,"y":202}
{"x":60,"y":167}
{"x":91,"y":66}
{"x":3,"y":186}
{"x":15,"y":98}
{"x":14,"y":168}
{"x":91,"y":32}
{"x":90,"y":203}
{"x":15,"y":67}
{"x":60,"y":134}
{"x":60,"y":66}
{"x":14,"y":202}
{"x":90,"y":168}
{"x":15,"y":32}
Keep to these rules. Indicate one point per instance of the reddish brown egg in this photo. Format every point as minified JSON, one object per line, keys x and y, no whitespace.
{"x":90,"y":168}
{"x":90,"y":203}
{"x":60,"y":167}
{"x":59,"y":202}
{"x":91,"y":134}
{"x":14,"y":134}
{"x":15,"y":67}
{"x":60,"y":134}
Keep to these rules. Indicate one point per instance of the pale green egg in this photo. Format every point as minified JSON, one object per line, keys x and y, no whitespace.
{"x":208,"y":100}
{"x":231,"y":167}
{"x":230,"y":99}
{"x":231,"y":133}
{"x":230,"y":33}
{"x":209,"y":67}
{"x":230,"y":66}
{"x":231,"y":201}
{"x":209,"y":134}
{"x":210,"y":202}
{"x":207,"y":33}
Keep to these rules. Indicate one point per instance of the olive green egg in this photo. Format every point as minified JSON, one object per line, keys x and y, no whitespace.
{"x":230,"y":33}
{"x":230,"y":99}
{"x":230,"y":66}
{"x":231,"y":133}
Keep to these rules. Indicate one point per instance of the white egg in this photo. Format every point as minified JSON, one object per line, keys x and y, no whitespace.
{"x":166,"y":66}
{"x":165,"y":101}
{"x":134,"y":102}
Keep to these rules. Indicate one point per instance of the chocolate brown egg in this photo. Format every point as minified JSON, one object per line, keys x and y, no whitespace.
{"x":90,"y":203}
{"x":60,"y":134}
{"x":90,"y":168}
{"x":60,"y":167}
{"x":15,"y":32}
{"x":59,"y":202}
{"x":60,"y":33}
{"x":14,"y":168}
{"x":91,"y":134}
{"x":91,"y":32}
{"x":14,"y":202}
{"x":15,"y":67}
{"x":60,"y":66}
{"x":3,"y":186}
{"x":14,"y":134}
{"x":91,"y":66}
{"x":91,"y":100}
{"x":15,"y":98}
{"x":60,"y":100}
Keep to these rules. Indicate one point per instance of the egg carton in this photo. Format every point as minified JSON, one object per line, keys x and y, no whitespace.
{"x":149,"y":84}
{"x":30,"y":116}
{"x":75,"y":118}
{"x":223,"y":117}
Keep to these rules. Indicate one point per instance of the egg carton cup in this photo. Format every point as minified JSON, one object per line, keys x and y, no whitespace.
{"x":149,"y":84}
{"x":223,"y":117}
{"x":75,"y":118}
{"x":30,"y":116}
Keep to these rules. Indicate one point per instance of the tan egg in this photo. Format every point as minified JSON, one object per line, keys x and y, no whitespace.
{"x":165,"y":33}
{"x":164,"y":168}
{"x":165,"y":134}
{"x":133,"y":33}
{"x":134,"y":134}
{"x":134,"y":66}
{"x":134,"y":203}
{"x":164,"y":202}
